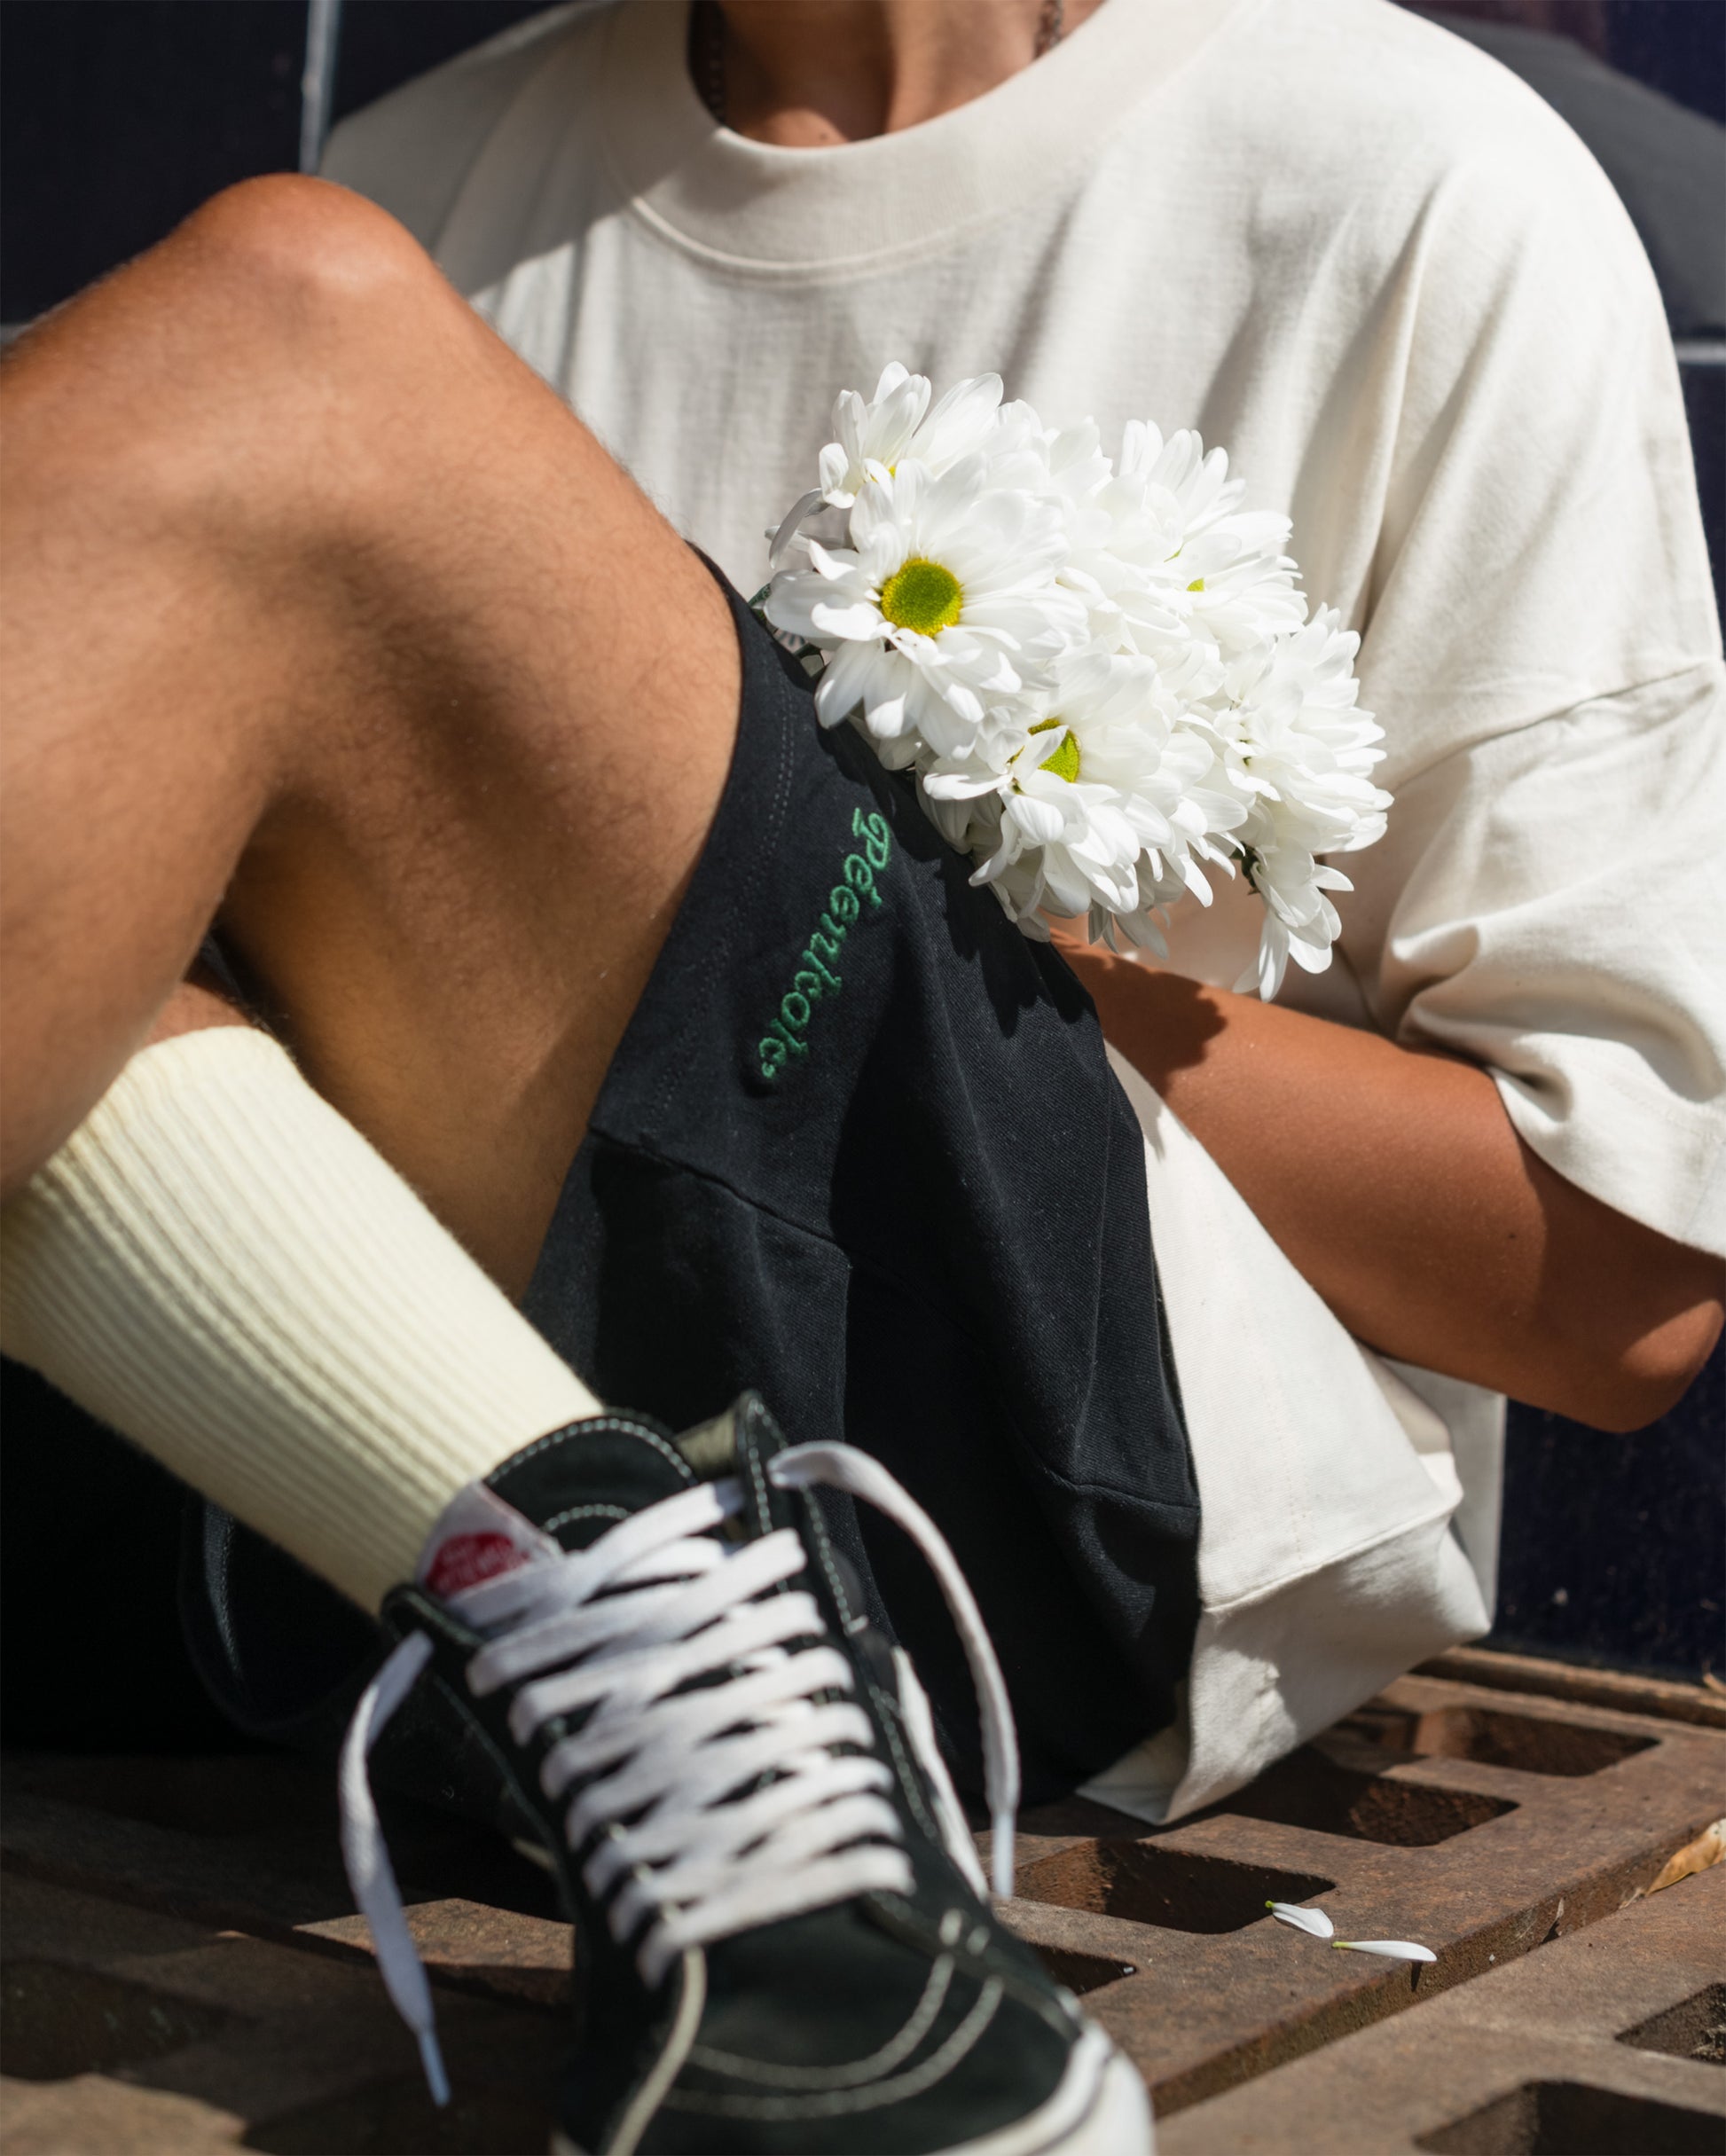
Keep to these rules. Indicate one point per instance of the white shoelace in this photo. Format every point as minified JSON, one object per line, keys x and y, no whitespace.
{"x":615,"y":1629}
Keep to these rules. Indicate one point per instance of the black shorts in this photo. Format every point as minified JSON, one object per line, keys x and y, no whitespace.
{"x":860,"y":1150}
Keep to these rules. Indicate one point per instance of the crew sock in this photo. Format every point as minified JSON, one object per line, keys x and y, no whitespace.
{"x":221,"y":1268}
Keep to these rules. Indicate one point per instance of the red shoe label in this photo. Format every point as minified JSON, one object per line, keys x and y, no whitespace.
{"x":464,"y":1560}
{"x":478,"y":1538}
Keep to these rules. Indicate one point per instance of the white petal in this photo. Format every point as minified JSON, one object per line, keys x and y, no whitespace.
{"x":834,"y":467}
{"x":833,"y":562}
{"x":1393,"y":1949}
{"x":875,"y":532}
{"x":962,"y":785}
{"x":1273,"y":957}
{"x":794,"y":517}
{"x":860,"y":620}
{"x":1311,"y":958}
{"x":1313,"y":1920}
{"x":967,"y":408}
{"x":842,"y":687}
{"x":791,"y":600}
{"x":1193,"y":876}
{"x":1041,"y":822}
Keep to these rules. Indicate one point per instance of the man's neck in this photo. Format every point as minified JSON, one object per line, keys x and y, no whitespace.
{"x":807,"y":74}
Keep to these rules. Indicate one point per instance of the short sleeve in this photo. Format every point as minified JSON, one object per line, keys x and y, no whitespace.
{"x":1540,"y":642}
{"x":1557,"y":912}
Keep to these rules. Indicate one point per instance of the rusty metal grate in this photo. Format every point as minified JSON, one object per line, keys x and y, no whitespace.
{"x":1601,"y":2044}
{"x":1479,"y":1823}
{"x":183,"y":1970}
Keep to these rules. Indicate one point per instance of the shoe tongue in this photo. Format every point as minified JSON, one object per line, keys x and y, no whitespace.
{"x":578,"y":1482}
{"x":478,"y":1537}
{"x":561,"y":1492}
{"x":565,"y":1491}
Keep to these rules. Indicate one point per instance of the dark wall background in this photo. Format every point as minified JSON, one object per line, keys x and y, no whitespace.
{"x":117,"y":117}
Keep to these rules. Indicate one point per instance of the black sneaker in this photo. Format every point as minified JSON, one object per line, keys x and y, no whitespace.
{"x":783,"y":1941}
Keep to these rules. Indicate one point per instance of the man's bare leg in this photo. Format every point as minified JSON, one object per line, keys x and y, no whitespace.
{"x":323,"y":613}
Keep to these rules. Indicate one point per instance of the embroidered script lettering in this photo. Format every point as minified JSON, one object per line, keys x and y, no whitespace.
{"x":817,"y":974}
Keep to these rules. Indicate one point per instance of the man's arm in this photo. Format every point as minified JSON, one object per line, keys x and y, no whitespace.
{"x":1392,"y":1178}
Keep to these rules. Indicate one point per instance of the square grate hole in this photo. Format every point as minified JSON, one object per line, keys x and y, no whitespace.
{"x":1307,"y":1790}
{"x":1083,"y":1972}
{"x":399,"y":2119}
{"x":1569,"y":2119}
{"x":1175,"y":1888}
{"x":1695,"y":2028}
{"x":59,"y":2021}
{"x":1529,"y":1743}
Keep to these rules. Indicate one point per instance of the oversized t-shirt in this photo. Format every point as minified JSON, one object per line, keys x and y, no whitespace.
{"x":1390,"y":281}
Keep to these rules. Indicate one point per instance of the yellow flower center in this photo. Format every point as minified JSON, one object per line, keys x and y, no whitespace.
{"x":921,"y":596}
{"x":1063,"y":763}
{"x":1197,"y":585}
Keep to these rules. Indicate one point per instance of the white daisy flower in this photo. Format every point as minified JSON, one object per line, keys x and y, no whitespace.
{"x":1099,"y":809}
{"x":943,"y":606}
{"x":1300,"y":923}
{"x":894,"y":427}
{"x":1178,"y":552}
{"x":1101,"y":674}
{"x":1304,"y":752}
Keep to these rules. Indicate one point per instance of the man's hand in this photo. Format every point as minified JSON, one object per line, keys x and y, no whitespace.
{"x":1394,"y":1180}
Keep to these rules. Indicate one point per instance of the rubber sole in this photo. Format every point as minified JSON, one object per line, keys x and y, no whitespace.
{"x":1100,"y":2109}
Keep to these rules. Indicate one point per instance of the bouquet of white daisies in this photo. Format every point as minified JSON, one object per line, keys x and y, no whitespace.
{"x":1103,"y":675}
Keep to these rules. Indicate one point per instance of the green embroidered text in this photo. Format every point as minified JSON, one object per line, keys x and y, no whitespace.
{"x":818,"y":975}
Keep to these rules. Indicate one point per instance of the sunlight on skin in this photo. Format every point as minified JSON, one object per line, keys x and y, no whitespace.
{"x":1393,"y":1180}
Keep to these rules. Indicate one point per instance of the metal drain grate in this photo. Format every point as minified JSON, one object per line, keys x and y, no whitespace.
{"x":1598,"y":2044}
{"x":1480,"y":1824}
{"x":195,"y":1978}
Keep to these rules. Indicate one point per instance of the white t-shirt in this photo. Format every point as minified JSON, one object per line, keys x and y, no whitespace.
{"x":1383,"y":275}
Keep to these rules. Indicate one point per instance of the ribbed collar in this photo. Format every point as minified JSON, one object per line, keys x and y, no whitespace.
{"x":804,"y":212}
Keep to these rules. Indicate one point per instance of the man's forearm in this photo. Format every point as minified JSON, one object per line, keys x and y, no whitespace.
{"x":1394,"y":1182}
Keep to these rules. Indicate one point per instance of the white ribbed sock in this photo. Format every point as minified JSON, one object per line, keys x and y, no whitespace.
{"x":221,"y":1268}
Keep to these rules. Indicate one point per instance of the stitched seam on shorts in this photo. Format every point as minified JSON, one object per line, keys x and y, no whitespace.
{"x":785,"y":1219}
{"x":862,"y":1262}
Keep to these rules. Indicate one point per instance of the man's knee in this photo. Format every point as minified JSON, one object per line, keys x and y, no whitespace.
{"x":309,"y":257}
{"x":183,"y":391}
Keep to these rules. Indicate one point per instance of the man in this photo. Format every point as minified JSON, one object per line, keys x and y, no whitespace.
{"x":390,"y":664}
{"x":1438,"y":349}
